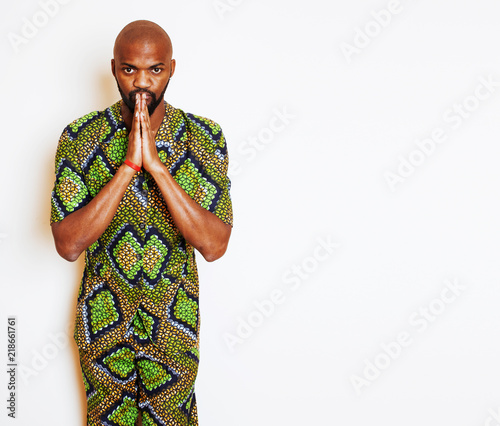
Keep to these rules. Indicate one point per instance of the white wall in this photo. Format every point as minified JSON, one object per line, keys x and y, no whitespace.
{"x":321,"y":178}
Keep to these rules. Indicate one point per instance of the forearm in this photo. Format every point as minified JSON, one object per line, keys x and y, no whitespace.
{"x":200,"y":228}
{"x":77,"y":231}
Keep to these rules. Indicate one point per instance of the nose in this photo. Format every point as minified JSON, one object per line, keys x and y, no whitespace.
{"x":142,"y":80}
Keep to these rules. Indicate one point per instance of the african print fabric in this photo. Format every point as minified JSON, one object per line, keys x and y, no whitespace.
{"x":141,"y":268}
{"x":133,"y":377}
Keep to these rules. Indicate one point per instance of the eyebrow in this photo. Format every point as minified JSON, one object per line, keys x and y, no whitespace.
{"x":133,"y":66}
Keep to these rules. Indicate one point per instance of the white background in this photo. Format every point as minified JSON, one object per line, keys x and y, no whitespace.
{"x":321,"y":176}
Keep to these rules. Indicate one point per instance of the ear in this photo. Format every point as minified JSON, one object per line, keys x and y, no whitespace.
{"x":172,"y":67}
{"x":113,"y":67}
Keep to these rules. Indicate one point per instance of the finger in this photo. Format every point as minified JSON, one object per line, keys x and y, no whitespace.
{"x":146,"y":112}
{"x":136,"y":130}
{"x":135,"y":118}
{"x":134,"y":147}
{"x":137,"y":103}
{"x":136,"y":124}
{"x":139,"y":100}
{"x":146,"y":120}
{"x":146,"y":136}
{"x":141,"y":112}
{"x":140,"y":106}
{"x":145,"y":124}
{"x":144,"y":109}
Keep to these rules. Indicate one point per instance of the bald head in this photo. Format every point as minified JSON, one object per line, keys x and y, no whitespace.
{"x":142,"y":33}
{"x":143,"y":64}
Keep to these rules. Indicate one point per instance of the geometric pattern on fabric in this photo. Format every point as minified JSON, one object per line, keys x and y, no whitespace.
{"x":101,"y":312}
{"x":99,"y":171}
{"x":123,"y":413}
{"x":155,"y":257}
{"x":90,"y":390}
{"x":150,"y":418}
{"x":137,"y":379}
{"x":142,"y":256}
{"x":119,"y":363}
{"x":72,"y":193}
{"x":144,"y":326}
{"x":125,"y":254}
{"x":200,"y":188}
{"x":137,"y":313}
{"x":136,"y":261}
{"x":154,"y":376}
{"x":186,"y":405}
{"x":194,"y":355}
{"x":183,"y":312}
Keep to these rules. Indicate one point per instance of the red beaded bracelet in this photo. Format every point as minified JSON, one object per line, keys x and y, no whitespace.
{"x":134,"y":166}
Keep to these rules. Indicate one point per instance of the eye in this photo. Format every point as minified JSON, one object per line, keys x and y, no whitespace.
{"x":157,"y":70}
{"x":128,"y":70}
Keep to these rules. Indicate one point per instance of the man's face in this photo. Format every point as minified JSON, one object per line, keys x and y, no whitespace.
{"x":142,"y":67}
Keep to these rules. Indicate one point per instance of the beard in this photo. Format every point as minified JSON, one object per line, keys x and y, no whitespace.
{"x":129,"y":100}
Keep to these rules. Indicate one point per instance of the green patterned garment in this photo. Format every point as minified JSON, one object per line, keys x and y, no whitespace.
{"x":141,"y":263}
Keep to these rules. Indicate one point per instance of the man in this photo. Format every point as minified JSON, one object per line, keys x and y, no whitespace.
{"x":140,"y":186}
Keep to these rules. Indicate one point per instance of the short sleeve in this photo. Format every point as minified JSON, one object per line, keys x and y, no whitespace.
{"x":69,"y":192}
{"x":203,"y":173}
{"x":216,"y":171}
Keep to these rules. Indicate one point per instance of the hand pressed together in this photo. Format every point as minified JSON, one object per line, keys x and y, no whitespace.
{"x":142,"y":147}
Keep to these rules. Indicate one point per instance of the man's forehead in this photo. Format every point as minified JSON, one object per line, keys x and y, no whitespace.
{"x":142,"y":53}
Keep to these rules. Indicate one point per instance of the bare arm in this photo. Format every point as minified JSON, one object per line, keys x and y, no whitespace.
{"x":200,"y":228}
